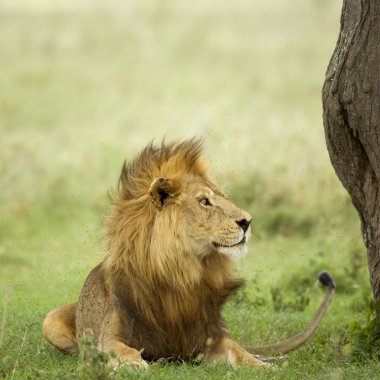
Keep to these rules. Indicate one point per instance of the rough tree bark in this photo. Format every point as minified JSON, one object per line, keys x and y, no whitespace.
{"x":351,"y":117}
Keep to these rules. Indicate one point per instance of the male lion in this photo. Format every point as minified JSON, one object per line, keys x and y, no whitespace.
{"x":172,"y":237}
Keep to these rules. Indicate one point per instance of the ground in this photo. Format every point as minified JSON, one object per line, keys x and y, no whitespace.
{"x":87,"y":84}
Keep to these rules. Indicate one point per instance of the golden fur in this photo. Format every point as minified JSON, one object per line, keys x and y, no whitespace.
{"x":172,"y":236}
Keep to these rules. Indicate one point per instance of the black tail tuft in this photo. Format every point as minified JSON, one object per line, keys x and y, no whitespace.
{"x":326,"y":280}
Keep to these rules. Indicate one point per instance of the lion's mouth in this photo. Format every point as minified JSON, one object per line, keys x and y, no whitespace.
{"x":242,"y":241}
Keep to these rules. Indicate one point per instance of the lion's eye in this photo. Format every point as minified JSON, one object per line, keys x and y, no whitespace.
{"x":205,"y":202}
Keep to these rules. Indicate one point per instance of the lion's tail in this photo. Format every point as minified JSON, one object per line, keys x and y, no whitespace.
{"x":300,"y":338}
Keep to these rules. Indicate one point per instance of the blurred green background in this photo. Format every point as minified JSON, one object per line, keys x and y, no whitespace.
{"x":87,"y":84}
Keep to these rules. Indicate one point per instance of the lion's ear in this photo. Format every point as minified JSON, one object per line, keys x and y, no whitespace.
{"x":162,"y":190}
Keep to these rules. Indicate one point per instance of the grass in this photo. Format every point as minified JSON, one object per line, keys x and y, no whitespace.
{"x":87,"y":84}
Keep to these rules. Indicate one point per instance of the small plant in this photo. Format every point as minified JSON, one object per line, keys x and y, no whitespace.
{"x":92,"y":362}
{"x":362,"y":340}
{"x":245,"y":298}
{"x":352,"y":271}
{"x":298,"y":302}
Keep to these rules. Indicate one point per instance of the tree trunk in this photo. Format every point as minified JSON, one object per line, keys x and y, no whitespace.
{"x":351,"y":117}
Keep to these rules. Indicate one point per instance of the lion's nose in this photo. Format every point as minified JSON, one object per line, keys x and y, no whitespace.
{"x":243,"y":224}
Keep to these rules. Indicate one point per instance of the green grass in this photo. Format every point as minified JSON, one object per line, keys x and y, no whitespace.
{"x":87,"y":84}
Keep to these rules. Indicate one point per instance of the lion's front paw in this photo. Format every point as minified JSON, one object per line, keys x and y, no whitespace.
{"x":130,"y":363}
{"x":127,"y":356}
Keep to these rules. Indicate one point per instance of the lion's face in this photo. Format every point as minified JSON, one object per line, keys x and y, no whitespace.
{"x":210,"y":221}
{"x":214,"y":222}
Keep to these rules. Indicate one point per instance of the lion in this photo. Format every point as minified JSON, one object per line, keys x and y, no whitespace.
{"x":173,"y":236}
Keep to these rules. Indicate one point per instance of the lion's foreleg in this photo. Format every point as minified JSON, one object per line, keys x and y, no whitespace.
{"x":230,"y":352}
{"x":111,"y":340}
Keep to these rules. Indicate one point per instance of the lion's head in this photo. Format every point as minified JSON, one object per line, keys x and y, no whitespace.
{"x":169,"y":215}
{"x":210,"y":222}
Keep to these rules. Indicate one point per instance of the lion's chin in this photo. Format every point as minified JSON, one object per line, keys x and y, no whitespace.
{"x":236,"y":252}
